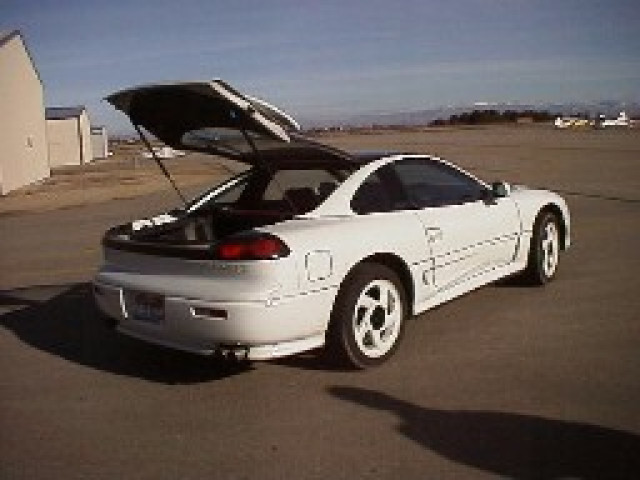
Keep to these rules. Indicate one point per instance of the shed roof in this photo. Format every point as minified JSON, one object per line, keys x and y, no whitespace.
{"x":7,"y":35}
{"x":63,"y":113}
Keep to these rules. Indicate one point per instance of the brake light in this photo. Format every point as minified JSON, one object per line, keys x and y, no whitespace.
{"x":253,"y":247}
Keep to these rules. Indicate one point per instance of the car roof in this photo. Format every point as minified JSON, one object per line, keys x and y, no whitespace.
{"x":366,"y":156}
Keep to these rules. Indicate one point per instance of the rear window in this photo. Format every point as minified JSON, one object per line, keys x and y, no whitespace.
{"x":224,"y":141}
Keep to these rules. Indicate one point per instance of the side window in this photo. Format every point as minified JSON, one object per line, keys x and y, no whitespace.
{"x":232,"y":194}
{"x":380,"y":192}
{"x":429,"y":183}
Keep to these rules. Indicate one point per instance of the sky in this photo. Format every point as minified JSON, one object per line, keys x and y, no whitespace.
{"x":333,"y":59}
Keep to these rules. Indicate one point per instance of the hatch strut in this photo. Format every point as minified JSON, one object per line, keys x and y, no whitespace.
{"x":145,"y":140}
{"x":267,"y":167}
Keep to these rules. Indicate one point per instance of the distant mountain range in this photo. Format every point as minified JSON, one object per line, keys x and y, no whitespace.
{"x":426,"y":116}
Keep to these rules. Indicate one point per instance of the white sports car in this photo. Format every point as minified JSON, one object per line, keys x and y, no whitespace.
{"x":311,"y":245}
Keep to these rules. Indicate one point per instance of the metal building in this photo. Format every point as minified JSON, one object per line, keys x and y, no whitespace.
{"x":24,"y":155}
{"x":69,"y":136}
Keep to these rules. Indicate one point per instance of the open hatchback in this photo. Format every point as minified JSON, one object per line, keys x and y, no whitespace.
{"x":207,"y":116}
{"x":200,"y":277}
{"x":289,"y":175}
{"x":310,"y":245}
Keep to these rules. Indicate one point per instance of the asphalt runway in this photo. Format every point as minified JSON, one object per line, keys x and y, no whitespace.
{"x":509,"y":381}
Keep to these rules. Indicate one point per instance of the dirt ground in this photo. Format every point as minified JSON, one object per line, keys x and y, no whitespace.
{"x":598,"y":162}
{"x":506,"y":382}
{"x":125,"y":175}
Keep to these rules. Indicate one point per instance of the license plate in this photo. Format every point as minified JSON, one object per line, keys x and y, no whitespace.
{"x":148,"y":307}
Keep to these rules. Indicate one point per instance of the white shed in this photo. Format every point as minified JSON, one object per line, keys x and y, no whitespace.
{"x":69,"y":136}
{"x":24,"y":156}
{"x":99,"y":142}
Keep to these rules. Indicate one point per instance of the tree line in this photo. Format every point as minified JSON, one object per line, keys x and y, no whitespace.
{"x":483,"y":117}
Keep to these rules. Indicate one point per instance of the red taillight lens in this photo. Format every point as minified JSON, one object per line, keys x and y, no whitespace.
{"x":266,"y":247}
{"x":232,"y":251}
{"x":255,"y":247}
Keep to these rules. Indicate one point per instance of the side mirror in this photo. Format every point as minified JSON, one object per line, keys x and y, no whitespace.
{"x":500,"y":189}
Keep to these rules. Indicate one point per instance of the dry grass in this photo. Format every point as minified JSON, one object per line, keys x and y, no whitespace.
{"x":121,"y":176}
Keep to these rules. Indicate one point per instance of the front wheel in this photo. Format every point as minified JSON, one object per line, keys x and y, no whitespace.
{"x":367,"y":320}
{"x":545,"y":250}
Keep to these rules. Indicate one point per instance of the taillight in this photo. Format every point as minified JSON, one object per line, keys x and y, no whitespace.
{"x":252,"y":247}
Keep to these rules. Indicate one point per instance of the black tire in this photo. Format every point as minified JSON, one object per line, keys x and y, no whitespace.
{"x":364,"y":331}
{"x":544,"y":252}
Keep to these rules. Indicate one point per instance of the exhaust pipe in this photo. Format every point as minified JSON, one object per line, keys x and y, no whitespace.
{"x":233,"y":353}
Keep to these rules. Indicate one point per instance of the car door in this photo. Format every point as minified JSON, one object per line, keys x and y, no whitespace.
{"x":467,"y":230}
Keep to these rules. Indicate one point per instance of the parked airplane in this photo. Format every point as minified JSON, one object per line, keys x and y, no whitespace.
{"x":164,"y":152}
{"x":573,"y":122}
{"x":623,"y":120}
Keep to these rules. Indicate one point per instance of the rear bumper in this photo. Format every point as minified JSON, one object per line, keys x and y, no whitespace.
{"x":258,"y":329}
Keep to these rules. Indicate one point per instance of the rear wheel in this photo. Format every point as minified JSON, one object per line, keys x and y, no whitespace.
{"x":545,"y":250}
{"x":367,"y":320}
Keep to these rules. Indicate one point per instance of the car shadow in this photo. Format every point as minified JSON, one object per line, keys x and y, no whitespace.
{"x":513,"y":281}
{"x":65,"y":322}
{"x":316,"y":359}
{"x":509,"y":444}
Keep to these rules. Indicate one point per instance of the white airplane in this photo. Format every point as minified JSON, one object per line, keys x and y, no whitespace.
{"x":623,"y":120}
{"x":572,"y":122}
{"x":164,"y":152}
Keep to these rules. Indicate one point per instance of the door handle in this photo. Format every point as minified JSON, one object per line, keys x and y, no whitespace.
{"x":434,"y":234}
